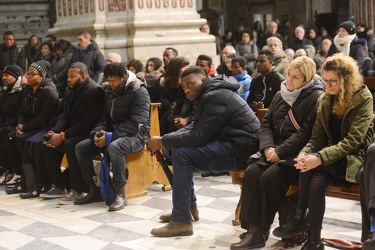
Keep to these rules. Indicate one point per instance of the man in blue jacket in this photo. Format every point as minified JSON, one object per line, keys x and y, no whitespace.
{"x":222,"y":137}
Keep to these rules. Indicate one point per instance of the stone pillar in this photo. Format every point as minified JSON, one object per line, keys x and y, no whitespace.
{"x":24,"y":18}
{"x":136,"y":28}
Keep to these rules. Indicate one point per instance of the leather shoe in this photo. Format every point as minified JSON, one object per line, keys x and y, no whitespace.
{"x":298,"y":224}
{"x":173,"y":228}
{"x":209,"y":173}
{"x":310,"y":245}
{"x":369,"y":244}
{"x":253,"y":239}
{"x":168,"y":217}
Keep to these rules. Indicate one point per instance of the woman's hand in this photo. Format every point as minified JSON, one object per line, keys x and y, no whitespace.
{"x":274,"y":157}
{"x":307,"y":162}
{"x":19,"y":129}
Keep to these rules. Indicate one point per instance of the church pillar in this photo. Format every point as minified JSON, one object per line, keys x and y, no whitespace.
{"x":137,"y":29}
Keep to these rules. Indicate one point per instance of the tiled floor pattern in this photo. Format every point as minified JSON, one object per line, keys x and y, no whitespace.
{"x":42,"y":224}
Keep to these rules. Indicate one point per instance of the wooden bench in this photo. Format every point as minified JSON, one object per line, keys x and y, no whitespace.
{"x":143,"y":170}
{"x":370,"y":82}
{"x":337,"y":190}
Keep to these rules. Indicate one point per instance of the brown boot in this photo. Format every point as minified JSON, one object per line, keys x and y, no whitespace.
{"x":168,"y":217}
{"x":173,"y":228}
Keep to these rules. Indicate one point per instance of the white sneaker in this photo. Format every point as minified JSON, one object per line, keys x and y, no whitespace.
{"x":14,"y":180}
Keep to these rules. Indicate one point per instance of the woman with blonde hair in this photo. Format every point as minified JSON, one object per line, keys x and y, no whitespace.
{"x":335,"y":152}
{"x":285,"y":130}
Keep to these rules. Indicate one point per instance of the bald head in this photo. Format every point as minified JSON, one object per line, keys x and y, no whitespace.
{"x":299,"y":32}
{"x":229,"y":49}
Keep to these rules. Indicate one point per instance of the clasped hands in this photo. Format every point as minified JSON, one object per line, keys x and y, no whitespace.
{"x":271,"y":155}
{"x":99,"y":139}
{"x":154,"y":144}
{"x":307,"y":162}
{"x":56,"y":140}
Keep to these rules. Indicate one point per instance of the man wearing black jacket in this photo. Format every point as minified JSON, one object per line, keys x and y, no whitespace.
{"x":222,"y":137}
{"x":127,"y":106}
{"x":83,"y":106}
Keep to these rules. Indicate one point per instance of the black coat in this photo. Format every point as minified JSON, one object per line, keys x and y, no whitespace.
{"x":10,"y":100}
{"x":277,"y":129}
{"x":82,"y":109}
{"x":37,"y":109}
{"x":125,"y":109}
{"x":357,"y":52}
{"x":12,"y":56}
{"x":92,"y":58}
{"x":296,"y":44}
{"x":220,"y":114}
{"x":257,"y":88}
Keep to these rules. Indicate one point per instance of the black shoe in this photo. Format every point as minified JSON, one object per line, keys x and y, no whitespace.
{"x":298,"y":224}
{"x":310,"y":245}
{"x":253,"y":239}
{"x":16,"y":189}
{"x":33,"y":192}
{"x":91,"y":197}
{"x":209,"y":173}
{"x":369,"y":244}
{"x":120,"y":200}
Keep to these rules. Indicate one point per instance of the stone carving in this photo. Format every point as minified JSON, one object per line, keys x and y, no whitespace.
{"x":75,"y":7}
{"x":182,"y":3}
{"x":140,"y":4}
{"x":101,"y":5}
{"x":157,"y":3}
{"x":131,"y":4}
{"x":92,"y":6}
{"x":86,"y":5}
{"x":190,"y":3}
{"x":149,"y":4}
{"x":166,"y":3}
{"x":64,"y":7}
{"x":116,"y":5}
{"x":80,"y":6}
{"x":70,"y":7}
{"x":174,"y":4}
{"x":59,"y":7}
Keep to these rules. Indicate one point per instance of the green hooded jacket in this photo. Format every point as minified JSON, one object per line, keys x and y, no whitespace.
{"x":357,"y":130}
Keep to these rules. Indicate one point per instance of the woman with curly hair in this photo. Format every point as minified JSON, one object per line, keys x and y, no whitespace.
{"x":336,"y":149}
{"x":154,"y":71}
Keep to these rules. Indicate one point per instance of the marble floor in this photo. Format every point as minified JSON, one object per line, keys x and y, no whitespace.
{"x":42,"y":224}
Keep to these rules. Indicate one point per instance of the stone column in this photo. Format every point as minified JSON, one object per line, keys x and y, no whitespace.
{"x":136,"y":28}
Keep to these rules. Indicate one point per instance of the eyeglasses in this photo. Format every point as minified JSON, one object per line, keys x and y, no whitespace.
{"x":331,"y":83}
{"x":30,"y":74}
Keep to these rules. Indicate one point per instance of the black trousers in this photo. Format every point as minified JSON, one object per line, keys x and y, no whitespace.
{"x":4,"y":159}
{"x":53,"y":157}
{"x":366,"y":180}
{"x":264,"y":187}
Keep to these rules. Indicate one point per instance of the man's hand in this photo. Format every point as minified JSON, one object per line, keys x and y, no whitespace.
{"x":268,"y":152}
{"x":180,"y":122}
{"x":55,"y":140}
{"x":99,"y":139}
{"x":258,"y":105}
{"x":154,"y":144}
{"x":19,"y":129}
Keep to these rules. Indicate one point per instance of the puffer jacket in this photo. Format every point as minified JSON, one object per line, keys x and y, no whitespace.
{"x":125,"y":108}
{"x":10,"y":100}
{"x":38,"y":108}
{"x":220,"y":114}
{"x":357,"y":130}
{"x":92,"y":58}
{"x":277,"y":129}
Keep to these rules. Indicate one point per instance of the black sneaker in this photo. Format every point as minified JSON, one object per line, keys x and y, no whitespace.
{"x":17,"y":188}
{"x":33,"y":192}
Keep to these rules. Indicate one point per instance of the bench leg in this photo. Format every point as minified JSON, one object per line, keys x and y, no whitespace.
{"x":236,"y":221}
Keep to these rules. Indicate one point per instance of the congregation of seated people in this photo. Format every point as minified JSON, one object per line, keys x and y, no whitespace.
{"x":60,"y":99}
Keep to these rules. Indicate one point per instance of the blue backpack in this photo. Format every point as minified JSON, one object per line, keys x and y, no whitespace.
{"x":106,"y":186}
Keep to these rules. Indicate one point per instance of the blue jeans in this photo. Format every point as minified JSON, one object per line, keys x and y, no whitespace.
{"x":117,"y":150}
{"x":212,"y":156}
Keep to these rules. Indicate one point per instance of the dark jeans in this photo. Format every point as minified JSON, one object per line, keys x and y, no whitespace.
{"x":366,"y":181}
{"x":118,"y":148}
{"x":263,"y":189}
{"x":53,"y":158}
{"x":212,"y":156}
{"x":4,"y":159}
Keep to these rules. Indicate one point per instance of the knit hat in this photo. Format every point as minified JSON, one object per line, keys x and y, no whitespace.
{"x":41,"y":66}
{"x":13,"y":70}
{"x":349,"y":26}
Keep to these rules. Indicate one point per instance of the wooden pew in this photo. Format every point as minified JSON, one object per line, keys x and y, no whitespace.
{"x":337,"y":190}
